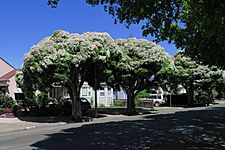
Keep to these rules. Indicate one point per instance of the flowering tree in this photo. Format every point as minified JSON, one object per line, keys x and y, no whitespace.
{"x":140,"y":59}
{"x":208,"y":78}
{"x":191,"y":75}
{"x":97,"y":65}
{"x":194,"y":25}
{"x":63,"y":58}
{"x":166,"y":76}
{"x":185,"y":69}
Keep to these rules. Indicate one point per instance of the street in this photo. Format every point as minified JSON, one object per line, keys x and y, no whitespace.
{"x":181,"y":129}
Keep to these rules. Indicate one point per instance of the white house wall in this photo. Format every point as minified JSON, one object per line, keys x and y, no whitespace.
{"x":104,"y":96}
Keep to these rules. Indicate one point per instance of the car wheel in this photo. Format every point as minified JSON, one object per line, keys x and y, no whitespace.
{"x":156,"y":104}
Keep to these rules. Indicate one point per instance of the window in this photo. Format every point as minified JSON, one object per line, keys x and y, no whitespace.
{"x":84,"y":91}
{"x":102,"y":93}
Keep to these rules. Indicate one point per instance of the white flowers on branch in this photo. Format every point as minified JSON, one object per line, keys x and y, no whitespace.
{"x":61,"y":52}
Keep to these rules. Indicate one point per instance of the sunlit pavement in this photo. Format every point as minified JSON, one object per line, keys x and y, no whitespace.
{"x":167,"y":128}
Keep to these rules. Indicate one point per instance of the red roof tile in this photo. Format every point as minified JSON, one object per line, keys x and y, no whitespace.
{"x":8,"y":75}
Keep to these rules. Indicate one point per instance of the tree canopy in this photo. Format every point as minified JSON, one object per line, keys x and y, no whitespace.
{"x":191,"y":75}
{"x":70,"y":59}
{"x":64,"y":58}
{"x":195,"y":26}
{"x":139,"y":61}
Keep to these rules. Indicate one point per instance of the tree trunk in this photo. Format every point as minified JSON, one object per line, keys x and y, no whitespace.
{"x":210,"y":98}
{"x":130,"y":103}
{"x":171,"y":99}
{"x":190,"y":93}
{"x":76,"y":104}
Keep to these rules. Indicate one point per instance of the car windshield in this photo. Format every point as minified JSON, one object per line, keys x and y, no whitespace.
{"x":154,"y":96}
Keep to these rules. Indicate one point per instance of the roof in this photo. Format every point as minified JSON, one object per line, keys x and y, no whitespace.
{"x":6,"y":62}
{"x":3,"y":85}
{"x":8,"y":75}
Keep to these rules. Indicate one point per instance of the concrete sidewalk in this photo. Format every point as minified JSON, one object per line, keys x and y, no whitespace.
{"x":15,"y":124}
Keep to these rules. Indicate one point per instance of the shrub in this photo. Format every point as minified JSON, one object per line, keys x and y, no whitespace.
{"x":24,"y":103}
{"x":1,"y":110}
{"x":16,"y":107}
{"x":42,"y":99}
{"x":141,"y":94}
{"x":118,"y":103}
{"x":6,"y":101}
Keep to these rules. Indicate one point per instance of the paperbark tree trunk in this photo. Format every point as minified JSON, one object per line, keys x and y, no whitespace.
{"x":190,"y":93}
{"x":210,"y":97}
{"x":76,"y":104}
{"x":130,"y":103}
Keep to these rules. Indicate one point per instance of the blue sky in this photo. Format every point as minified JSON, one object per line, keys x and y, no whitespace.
{"x":24,"y":23}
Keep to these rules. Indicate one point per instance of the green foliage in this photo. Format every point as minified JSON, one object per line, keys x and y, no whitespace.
{"x":191,"y":75}
{"x":204,"y":25}
{"x":6,"y":101}
{"x":166,"y":76}
{"x":71,"y":59}
{"x":214,"y":94}
{"x":141,"y":94}
{"x":17,"y":106}
{"x":200,"y":94}
{"x":140,"y":60}
{"x":118,"y":103}
{"x":1,"y":110}
{"x":42,"y":99}
{"x":191,"y":24}
{"x":66,"y":59}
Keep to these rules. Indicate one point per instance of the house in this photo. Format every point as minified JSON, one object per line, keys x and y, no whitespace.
{"x":181,"y":89}
{"x":104,"y":95}
{"x":8,"y":83}
{"x":9,"y":86}
{"x":120,"y":95}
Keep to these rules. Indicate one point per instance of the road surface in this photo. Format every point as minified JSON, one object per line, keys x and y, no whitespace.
{"x":173,"y":129}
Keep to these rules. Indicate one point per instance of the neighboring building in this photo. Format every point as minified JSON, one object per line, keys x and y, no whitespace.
{"x":8,"y":86}
{"x":119,"y":95}
{"x":8,"y":80}
{"x":104,"y":95}
{"x":181,"y":89}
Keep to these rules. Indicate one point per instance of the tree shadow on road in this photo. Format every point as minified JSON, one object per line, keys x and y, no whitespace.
{"x":102,"y":112}
{"x":190,"y":130}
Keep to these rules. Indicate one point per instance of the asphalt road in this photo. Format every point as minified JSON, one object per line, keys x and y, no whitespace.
{"x":181,"y":129}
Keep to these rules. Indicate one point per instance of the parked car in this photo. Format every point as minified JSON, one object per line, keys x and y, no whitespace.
{"x":66,"y":105}
{"x":157,"y":99}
